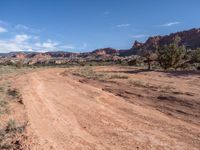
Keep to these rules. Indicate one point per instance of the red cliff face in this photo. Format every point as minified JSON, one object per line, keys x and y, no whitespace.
{"x":105,"y":51}
{"x":138,"y":44}
{"x":20,"y":56}
{"x":189,"y":38}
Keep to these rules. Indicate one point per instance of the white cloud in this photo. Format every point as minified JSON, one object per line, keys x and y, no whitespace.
{"x":29,"y":40}
{"x":25,"y":43}
{"x":137,"y":36}
{"x":169,"y":24}
{"x":38,"y":44}
{"x":123,"y":25}
{"x":18,"y":43}
{"x":46,"y":46}
{"x":21,"y":38}
{"x":21,"y":27}
{"x":30,"y":50}
{"x":10,"y":45}
{"x":49,"y":44}
{"x":2,"y":29}
{"x":67,"y":46}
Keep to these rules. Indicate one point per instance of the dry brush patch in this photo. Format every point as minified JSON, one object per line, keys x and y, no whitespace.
{"x":143,"y":84}
{"x":11,"y":131}
{"x":3,"y":98}
{"x":12,"y":125}
{"x":90,"y":73}
{"x":118,"y":76}
{"x":3,"y":106}
{"x":11,"y":135}
{"x":86,"y":72}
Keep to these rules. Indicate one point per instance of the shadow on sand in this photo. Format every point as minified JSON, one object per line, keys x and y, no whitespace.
{"x":182,"y":73}
{"x":168,"y":73}
{"x":130,"y":71}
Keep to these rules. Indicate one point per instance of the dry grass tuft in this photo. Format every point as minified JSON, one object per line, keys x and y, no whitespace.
{"x":89,"y":73}
{"x":118,"y":76}
{"x":11,"y":134}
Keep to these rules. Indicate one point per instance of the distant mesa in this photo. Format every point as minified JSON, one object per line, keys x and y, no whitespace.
{"x":189,"y":38}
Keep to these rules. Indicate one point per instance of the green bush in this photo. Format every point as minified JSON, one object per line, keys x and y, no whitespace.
{"x":172,"y":55}
{"x":196,"y":56}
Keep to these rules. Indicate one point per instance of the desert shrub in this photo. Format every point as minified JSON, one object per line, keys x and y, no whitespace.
{"x":132,"y":62}
{"x":89,"y":73}
{"x":85,"y":72}
{"x":149,"y":55}
{"x":135,"y":61}
{"x":16,"y":95}
{"x":172,"y":55}
{"x":11,"y":125}
{"x":3,"y":106}
{"x":11,"y":135}
{"x":196,"y":56}
{"x":19,"y":64}
{"x":13,"y":93}
{"x":118,"y":76}
{"x":138,"y":83}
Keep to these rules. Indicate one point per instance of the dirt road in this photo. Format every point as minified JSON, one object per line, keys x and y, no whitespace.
{"x":66,"y":114}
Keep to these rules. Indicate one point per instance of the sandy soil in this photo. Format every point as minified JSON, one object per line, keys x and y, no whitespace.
{"x":69,"y":112}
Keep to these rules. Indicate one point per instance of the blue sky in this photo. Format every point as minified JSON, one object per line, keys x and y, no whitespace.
{"x":84,"y":25}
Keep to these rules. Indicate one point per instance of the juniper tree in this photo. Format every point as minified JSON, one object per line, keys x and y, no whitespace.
{"x":196,"y":56}
{"x":171,"y":55}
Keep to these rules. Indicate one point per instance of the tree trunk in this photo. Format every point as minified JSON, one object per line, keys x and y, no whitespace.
{"x":149,"y":64}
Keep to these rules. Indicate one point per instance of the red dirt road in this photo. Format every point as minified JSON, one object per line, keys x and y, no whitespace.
{"x":66,"y":114}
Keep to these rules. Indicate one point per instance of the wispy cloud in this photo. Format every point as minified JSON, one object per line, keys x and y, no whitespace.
{"x":21,"y":38}
{"x":84,"y":45}
{"x":169,"y":24}
{"x":67,"y":47}
{"x":49,"y":44}
{"x":2,"y":29}
{"x":4,"y":23}
{"x":138,"y":36}
{"x":21,"y":27}
{"x":123,"y":25}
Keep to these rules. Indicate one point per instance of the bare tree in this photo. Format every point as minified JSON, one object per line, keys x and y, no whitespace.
{"x":149,"y":56}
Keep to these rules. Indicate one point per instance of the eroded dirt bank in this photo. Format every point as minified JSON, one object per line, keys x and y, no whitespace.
{"x":65,"y":113}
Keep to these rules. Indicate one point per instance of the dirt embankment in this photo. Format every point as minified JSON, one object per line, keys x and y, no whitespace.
{"x":69,"y":112}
